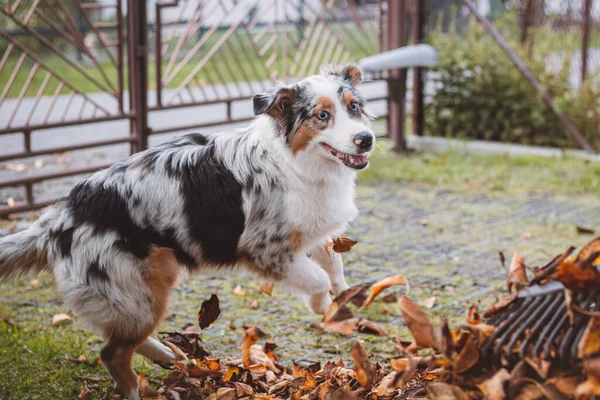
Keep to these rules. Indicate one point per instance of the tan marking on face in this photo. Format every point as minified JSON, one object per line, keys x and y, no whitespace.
{"x":348,"y":99}
{"x":161,"y":278}
{"x":296,"y":238}
{"x":310,"y":129}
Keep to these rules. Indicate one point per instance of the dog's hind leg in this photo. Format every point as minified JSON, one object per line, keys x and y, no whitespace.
{"x":116,"y":357}
{"x":332,"y":263}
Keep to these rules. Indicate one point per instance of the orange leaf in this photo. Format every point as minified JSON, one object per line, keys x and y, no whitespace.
{"x":383,"y":284}
{"x":517,"y":275}
{"x":267,"y":288}
{"x":364,"y":370}
{"x":473,"y":316}
{"x":419,"y":325}
{"x":251,"y":335}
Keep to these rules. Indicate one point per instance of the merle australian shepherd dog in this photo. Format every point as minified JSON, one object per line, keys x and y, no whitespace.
{"x":264,"y":199}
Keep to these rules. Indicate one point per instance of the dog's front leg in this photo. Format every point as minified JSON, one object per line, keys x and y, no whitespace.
{"x":304,"y":277}
{"x":332,"y":263}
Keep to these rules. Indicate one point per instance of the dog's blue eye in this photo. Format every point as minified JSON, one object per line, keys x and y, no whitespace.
{"x":354,"y":106}
{"x":323,"y":115}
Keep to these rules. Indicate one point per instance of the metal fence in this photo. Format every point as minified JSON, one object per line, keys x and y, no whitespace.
{"x":78,"y":76}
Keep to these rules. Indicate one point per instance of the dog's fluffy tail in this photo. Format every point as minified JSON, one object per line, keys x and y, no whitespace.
{"x":26,"y":251}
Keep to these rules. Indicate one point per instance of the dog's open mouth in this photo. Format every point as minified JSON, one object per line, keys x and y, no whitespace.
{"x":356,"y":161}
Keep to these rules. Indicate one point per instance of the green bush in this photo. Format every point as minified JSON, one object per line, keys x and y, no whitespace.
{"x":481,"y":95}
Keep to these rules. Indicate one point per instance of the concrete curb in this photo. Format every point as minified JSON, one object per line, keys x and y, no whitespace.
{"x":480,"y":147}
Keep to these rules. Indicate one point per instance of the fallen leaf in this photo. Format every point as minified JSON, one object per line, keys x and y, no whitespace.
{"x":232,"y":326}
{"x":473,"y":315}
{"x":390,"y":298}
{"x":589,"y":389}
{"x":38,"y":164}
{"x":364,"y":370}
{"x":34,"y":282}
{"x":526,"y":235}
{"x":468,"y":356}
{"x":424,"y":222}
{"x":419,"y":325}
{"x":226,"y":393}
{"x":588,"y":250}
{"x":578,"y":278}
{"x":592,"y":368}
{"x":501,"y":304}
{"x":253,"y":304}
{"x":337,"y":310}
{"x":238,"y":291}
{"x":582,"y":230}
{"x":345,"y":327}
{"x":383,"y":284}
{"x":385,"y":387}
{"x":209,"y":312}
{"x":539,"y":365}
{"x":517,"y":275}
{"x":230,"y":373}
{"x":251,"y":335}
{"x":444,"y":391}
{"x":366,"y":326}
{"x":85,"y":393}
{"x":267,"y":288}
{"x":11,"y":202}
{"x":58,"y":318}
{"x":243,"y":390}
{"x":569,"y":305}
{"x":502,"y":259}
{"x":590,"y":341}
{"x":428,"y":303}
{"x":493,"y":388}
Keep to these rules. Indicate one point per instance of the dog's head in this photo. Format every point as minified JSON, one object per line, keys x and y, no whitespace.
{"x":323,"y":118}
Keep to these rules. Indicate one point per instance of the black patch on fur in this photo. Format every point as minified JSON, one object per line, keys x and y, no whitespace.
{"x":197,"y":138}
{"x":95,"y":273}
{"x":213,"y":207}
{"x":105,"y":209}
{"x":64,"y":241}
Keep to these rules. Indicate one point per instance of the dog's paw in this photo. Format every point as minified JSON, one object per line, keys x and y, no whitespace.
{"x":319,"y":303}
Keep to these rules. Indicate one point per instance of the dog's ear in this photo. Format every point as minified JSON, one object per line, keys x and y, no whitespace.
{"x":348,"y":72}
{"x":274,"y":102}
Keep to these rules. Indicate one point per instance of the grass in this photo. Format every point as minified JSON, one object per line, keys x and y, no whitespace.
{"x":486,"y":172}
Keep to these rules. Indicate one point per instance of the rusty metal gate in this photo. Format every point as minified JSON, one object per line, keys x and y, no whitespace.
{"x":72,"y":72}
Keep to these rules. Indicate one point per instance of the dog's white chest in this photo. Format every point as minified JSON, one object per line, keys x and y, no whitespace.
{"x":322,"y":210}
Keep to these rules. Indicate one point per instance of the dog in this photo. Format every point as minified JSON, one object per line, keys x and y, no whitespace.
{"x":264,"y":199}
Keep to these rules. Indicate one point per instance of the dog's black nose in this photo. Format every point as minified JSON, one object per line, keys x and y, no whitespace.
{"x":364,"y":140}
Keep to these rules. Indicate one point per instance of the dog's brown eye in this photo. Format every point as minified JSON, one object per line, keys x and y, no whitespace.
{"x":354,"y":106}
{"x":323,"y":115}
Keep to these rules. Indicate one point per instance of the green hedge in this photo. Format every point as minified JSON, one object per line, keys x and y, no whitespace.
{"x":481,"y":95}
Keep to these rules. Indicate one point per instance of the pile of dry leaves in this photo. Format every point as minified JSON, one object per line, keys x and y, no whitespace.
{"x":438,"y":363}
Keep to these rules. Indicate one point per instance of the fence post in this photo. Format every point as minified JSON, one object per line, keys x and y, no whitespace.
{"x":585,"y":39}
{"x":137,"y":51}
{"x":396,"y":84}
{"x":418,"y":24}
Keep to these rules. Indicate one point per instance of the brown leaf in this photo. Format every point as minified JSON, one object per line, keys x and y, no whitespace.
{"x":209,"y":312}
{"x":549,"y":269}
{"x":592,"y":368}
{"x":345,"y":327}
{"x":468,"y":356}
{"x":226,"y":393}
{"x":502,"y":259}
{"x":419,"y":325}
{"x":85,"y":394}
{"x":58,"y":318}
{"x":582,"y":230}
{"x":366,"y":326}
{"x":428,"y":303}
{"x":564,"y":384}
{"x":364,"y":370}
{"x":385,"y":387}
{"x":390,"y":298}
{"x":569,"y":305}
{"x":501,"y":304}
{"x":444,"y":391}
{"x":251,"y":335}
{"x":399,"y":364}
{"x":267,"y":288}
{"x":473,"y":316}
{"x":589,"y":249}
{"x":590,"y":342}
{"x":493,"y":388}
{"x":589,"y":389}
{"x":539,"y":365}
{"x":337,"y":310}
{"x":383,"y":284}
{"x":517,"y":275}
{"x":576,"y":277}
{"x":343,"y":244}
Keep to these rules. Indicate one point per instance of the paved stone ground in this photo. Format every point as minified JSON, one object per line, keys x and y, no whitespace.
{"x":454,"y":256}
